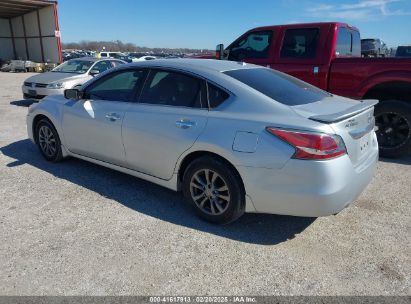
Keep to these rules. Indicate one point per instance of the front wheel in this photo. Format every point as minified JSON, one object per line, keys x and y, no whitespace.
{"x":214,"y":190}
{"x":393,"y":119}
{"x":48,"y":141}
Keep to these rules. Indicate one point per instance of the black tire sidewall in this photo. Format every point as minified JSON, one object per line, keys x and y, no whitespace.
{"x":58,"y":154}
{"x":403,"y":109}
{"x":237,"y":203}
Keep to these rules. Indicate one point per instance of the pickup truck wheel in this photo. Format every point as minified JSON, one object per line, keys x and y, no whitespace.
{"x":393,"y":119}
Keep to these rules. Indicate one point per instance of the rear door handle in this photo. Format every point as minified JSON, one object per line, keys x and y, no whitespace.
{"x":112,"y":116}
{"x":185,"y":124}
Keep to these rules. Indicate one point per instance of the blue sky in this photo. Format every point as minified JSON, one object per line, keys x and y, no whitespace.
{"x":203,"y":24}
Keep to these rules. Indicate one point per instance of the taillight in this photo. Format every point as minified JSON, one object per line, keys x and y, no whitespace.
{"x":311,"y":145}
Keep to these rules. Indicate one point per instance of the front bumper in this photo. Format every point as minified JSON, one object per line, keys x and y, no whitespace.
{"x":309,"y":188}
{"x":39,"y":93}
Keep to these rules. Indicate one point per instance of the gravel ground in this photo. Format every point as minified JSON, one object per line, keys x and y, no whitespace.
{"x":75,"y":228}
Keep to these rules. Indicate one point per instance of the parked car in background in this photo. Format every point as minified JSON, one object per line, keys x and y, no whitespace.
{"x":143,"y":58}
{"x":403,"y":51}
{"x":70,"y":74}
{"x":117,"y":55}
{"x":328,"y":55}
{"x":233,"y":137}
{"x":374,"y":48}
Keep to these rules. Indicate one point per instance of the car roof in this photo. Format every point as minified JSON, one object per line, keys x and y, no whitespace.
{"x":195,"y":65}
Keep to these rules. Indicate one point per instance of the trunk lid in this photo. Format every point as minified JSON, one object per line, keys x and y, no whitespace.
{"x":351,"y":119}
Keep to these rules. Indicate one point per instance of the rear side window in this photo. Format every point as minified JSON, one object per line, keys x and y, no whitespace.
{"x":216,"y":96}
{"x":279,"y":86}
{"x":300,"y":43}
{"x":173,"y":89}
{"x":116,"y":63}
{"x":348,"y":43}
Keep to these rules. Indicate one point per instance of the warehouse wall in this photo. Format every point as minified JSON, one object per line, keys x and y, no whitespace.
{"x":33,"y":40}
{"x":6,"y":44}
{"x":48,"y":28}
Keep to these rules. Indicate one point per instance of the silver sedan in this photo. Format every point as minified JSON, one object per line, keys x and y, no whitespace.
{"x":233,"y":137}
{"x":70,"y":74}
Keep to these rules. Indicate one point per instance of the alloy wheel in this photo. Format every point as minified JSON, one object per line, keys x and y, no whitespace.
{"x":393,"y":130}
{"x":210,"y":192}
{"x":47,"y":141}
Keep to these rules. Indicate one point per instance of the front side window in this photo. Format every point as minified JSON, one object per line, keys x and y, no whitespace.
{"x":102,"y":66}
{"x":300,"y":43}
{"x":173,"y":89}
{"x":254,"y":45}
{"x":117,"y":86}
{"x":103,"y":54}
{"x":74,"y":66}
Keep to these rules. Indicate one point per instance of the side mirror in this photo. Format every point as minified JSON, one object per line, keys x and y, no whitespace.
{"x":219,"y":52}
{"x":73,"y":94}
{"x":94,"y":72}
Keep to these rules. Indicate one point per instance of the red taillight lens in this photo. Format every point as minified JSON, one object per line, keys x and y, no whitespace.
{"x":312,"y":145}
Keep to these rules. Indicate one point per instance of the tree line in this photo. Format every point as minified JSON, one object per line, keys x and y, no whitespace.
{"x":119,"y":46}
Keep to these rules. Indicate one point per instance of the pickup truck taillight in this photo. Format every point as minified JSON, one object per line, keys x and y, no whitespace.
{"x":310,"y":145}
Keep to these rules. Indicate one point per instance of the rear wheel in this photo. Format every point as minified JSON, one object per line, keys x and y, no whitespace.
{"x":48,"y":141}
{"x":393,"y":118}
{"x":214,"y":190}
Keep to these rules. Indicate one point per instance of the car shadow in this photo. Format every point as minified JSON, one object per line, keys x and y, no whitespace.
{"x":156,"y":201}
{"x":22,"y":102}
{"x":402,"y":161}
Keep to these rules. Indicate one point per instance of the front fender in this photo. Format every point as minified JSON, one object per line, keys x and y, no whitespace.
{"x":52,"y":108}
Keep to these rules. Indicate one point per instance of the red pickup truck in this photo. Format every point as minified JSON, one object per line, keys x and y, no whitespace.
{"x":328,"y":55}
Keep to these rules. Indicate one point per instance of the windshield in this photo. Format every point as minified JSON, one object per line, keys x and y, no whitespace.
{"x":279,"y":86}
{"x":74,"y":66}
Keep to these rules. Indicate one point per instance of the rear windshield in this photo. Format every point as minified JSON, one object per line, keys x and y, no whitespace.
{"x":279,"y":86}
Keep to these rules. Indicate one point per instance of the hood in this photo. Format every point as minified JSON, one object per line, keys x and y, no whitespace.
{"x":50,"y":77}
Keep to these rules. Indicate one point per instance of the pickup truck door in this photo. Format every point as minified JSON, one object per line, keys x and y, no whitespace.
{"x":255,"y":47}
{"x":300,"y":55}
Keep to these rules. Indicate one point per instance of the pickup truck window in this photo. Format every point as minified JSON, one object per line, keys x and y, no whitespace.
{"x":254,"y":45}
{"x":348,"y":43}
{"x":300,"y":43}
{"x":281,"y":87}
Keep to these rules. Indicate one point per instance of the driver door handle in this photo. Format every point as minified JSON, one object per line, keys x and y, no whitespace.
{"x":112,"y":116}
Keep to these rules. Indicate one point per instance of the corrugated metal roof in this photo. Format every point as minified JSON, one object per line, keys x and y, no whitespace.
{"x":14,"y":8}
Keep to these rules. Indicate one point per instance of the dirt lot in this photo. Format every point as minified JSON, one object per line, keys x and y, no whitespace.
{"x":76,"y":228}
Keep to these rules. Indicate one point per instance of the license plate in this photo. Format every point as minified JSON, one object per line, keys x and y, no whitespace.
{"x":365,"y":143}
{"x":32,"y":92}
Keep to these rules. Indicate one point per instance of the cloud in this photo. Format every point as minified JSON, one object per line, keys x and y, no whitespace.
{"x":362,"y":10}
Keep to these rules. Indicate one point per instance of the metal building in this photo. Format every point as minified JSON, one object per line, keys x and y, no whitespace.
{"x":29,"y":30}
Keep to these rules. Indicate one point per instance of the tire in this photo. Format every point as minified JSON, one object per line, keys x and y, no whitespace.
{"x":393,"y":118}
{"x":218,"y":205}
{"x":48,"y":141}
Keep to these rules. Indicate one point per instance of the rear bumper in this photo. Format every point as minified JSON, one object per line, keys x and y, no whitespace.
{"x":309,"y":188}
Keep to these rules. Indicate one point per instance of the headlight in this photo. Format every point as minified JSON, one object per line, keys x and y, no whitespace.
{"x":56,"y":85}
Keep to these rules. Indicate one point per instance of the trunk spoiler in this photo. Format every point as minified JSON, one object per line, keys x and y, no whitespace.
{"x":335,"y":117}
